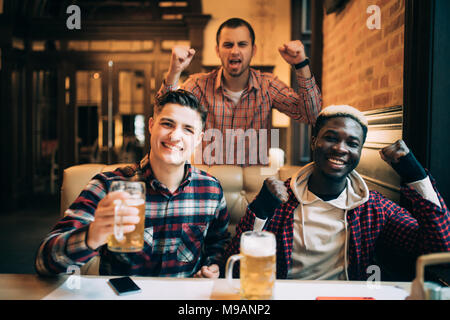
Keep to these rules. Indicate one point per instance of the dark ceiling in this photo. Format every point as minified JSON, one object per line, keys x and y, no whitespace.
{"x":101,"y":9}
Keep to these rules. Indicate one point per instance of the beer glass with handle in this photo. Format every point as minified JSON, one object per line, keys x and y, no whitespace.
{"x":257,"y":265}
{"x":133,"y":241}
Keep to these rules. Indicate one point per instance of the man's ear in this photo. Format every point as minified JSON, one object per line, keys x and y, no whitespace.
{"x":312,"y":144}
{"x":254,"y":50}
{"x":150,"y":124}
{"x":217,"y":51}
{"x":199,"y":139}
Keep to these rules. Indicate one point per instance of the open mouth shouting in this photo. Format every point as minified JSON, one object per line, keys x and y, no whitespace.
{"x":235,"y":64}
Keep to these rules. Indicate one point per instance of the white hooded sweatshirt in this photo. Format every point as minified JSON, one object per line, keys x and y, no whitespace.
{"x":320,"y":245}
{"x":320,"y":228}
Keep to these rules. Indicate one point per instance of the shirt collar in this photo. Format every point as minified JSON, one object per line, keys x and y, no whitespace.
{"x":252,"y":81}
{"x":150,"y":178}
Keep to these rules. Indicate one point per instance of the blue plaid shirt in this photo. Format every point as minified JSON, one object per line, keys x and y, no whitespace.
{"x":184,"y":230}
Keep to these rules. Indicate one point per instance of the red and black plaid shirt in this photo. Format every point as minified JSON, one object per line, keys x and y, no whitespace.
{"x":425,"y":229}
{"x":252,"y":113}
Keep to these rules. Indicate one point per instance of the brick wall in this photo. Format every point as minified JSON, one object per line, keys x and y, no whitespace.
{"x":364,"y":67}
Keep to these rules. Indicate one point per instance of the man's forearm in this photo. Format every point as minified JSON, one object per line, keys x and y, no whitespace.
{"x":413,"y":174}
{"x":58,"y":252}
{"x":426,"y":190}
{"x":302,"y":105}
{"x":172,"y":79}
{"x":304,"y":72}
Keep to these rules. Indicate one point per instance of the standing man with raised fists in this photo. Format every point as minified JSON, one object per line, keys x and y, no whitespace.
{"x":239,"y":98}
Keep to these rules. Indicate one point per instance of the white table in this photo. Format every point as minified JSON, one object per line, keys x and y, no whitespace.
{"x":27,"y":286}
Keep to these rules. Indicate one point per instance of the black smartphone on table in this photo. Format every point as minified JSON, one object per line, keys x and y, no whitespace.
{"x":124,"y":285}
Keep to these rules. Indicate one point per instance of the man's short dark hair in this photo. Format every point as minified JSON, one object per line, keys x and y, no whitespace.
{"x":340,"y":111}
{"x":234,"y":23}
{"x":183,"y":98}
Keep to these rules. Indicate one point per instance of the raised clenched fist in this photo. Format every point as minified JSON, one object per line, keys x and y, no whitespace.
{"x":392,"y":153}
{"x":277,"y":188}
{"x":293,"y":52}
{"x":181,"y":58}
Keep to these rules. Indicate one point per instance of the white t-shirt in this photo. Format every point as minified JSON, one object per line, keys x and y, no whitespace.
{"x":235,"y":96}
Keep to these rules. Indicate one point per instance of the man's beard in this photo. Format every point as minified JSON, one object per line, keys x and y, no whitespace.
{"x":238,"y":74}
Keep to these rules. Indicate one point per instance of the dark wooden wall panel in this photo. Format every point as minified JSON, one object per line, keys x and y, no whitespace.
{"x":385,"y":127}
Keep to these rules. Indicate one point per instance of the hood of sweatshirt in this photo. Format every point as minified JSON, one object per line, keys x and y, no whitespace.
{"x":355,"y":194}
{"x":357,"y":191}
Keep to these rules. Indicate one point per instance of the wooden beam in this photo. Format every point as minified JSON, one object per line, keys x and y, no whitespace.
{"x":196,"y":24}
{"x":41,"y":29}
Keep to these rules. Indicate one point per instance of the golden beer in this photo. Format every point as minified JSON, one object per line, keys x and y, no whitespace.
{"x":132,"y":241}
{"x":257,"y":265}
{"x":257,"y":277}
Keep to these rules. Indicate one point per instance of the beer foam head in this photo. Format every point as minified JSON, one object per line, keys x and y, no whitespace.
{"x":129,"y":202}
{"x":258,"y":245}
{"x":134,"y":202}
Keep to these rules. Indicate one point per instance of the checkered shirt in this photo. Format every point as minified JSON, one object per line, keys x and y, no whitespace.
{"x":184,"y":230}
{"x":252,"y":114}
{"x":424,"y":229}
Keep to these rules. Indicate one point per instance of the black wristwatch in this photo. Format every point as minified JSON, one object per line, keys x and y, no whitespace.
{"x":301,"y":64}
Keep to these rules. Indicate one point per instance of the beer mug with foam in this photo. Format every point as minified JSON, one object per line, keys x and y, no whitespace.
{"x":257,"y":265}
{"x":133,"y":241}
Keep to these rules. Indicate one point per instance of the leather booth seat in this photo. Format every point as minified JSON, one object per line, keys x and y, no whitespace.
{"x":240,"y":186}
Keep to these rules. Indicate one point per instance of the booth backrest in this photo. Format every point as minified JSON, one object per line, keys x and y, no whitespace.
{"x":75,"y":178}
{"x":240,"y":185}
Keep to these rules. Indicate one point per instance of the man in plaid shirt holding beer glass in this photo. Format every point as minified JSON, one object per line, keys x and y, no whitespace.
{"x":186,"y":218}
